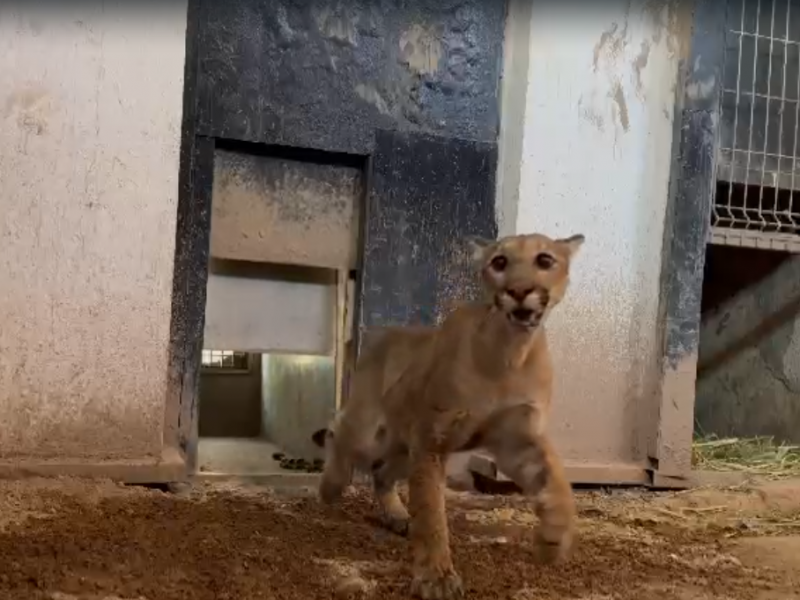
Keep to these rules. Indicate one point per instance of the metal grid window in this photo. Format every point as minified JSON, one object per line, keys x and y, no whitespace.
{"x":758,"y":173}
{"x":225,"y":360}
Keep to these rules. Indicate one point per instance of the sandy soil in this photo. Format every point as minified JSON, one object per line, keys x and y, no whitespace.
{"x":69,"y":539}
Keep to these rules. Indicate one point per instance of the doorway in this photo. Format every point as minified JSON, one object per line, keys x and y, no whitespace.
{"x":259,"y":404}
{"x":283,"y":254}
{"x":256,"y":410}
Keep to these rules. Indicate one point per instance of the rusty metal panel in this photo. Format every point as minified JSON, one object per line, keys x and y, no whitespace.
{"x":277,"y":210}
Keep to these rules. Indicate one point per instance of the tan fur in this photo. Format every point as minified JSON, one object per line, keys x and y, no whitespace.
{"x":482,"y":380}
{"x":357,"y":438}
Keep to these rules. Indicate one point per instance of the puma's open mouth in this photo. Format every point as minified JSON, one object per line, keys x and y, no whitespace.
{"x":524,"y":317}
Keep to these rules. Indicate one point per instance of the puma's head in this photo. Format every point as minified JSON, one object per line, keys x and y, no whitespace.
{"x":525,"y":276}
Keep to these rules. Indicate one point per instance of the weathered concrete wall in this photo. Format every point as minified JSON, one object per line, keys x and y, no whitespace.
{"x":90,"y":120}
{"x":267,"y":209}
{"x":596,"y":158}
{"x":749,"y":365}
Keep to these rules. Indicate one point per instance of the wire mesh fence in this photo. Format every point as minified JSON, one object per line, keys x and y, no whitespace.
{"x":757,"y":201}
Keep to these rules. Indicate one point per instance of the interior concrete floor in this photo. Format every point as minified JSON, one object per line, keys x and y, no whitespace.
{"x":237,"y":456}
{"x":252,"y":458}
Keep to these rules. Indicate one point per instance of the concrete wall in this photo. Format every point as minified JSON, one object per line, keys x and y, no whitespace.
{"x":595,"y":158}
{"x":90,"y":127}
{"x":230,"y":403}
{"x":749,"y":364}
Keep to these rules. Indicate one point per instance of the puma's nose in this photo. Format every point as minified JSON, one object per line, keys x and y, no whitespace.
{"x":519,"y":294}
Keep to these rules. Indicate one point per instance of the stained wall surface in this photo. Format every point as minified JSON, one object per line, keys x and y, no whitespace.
{"x":274,"y":210}
{"x":90,"y":119}
{"x":596,"y":157}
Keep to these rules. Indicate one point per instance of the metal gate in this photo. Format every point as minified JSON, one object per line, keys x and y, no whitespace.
{"x":756,"y":203}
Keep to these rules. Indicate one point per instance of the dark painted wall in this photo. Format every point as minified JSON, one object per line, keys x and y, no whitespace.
{"x":427,"y":195}
{"x":320,"y":74}
{"x":692,"y":182}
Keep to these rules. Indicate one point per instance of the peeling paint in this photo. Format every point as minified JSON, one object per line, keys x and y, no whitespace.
{"x":611,"y":45}
{"x":672,"y":18}
{"x":605,"y":40}
{"x":618,"y":94}
{"x":654,"y":10}
{"x":700,"y":90}
{"x":639,"y":64}
{"x":607,"y":53}
{"x":337,"y":25}
{"x":421,"y":49}
{"x":594,"y":118}
{"x":371,"y":95}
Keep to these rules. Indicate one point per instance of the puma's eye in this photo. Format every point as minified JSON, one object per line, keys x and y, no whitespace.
{"x":499,"y":263}
{"x":545,"y":261}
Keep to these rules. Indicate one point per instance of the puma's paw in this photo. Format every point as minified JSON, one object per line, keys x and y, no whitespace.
{"x":329,"y":491}
{"x":432,"y":585}
{"x":398,"y":525}
{"x":553,"y":546}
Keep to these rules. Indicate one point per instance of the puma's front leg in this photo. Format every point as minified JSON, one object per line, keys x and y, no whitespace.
{"x":555,"y":507}
{"x":385,"y":476}
{"x":337,"y":472}
{"x":435,"y":577}
{"x":527,"y":456}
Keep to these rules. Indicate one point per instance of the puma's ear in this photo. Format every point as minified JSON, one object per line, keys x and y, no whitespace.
{"x":318,"y":437}
{"x":573,"y":243}
{"x":478,"y":248}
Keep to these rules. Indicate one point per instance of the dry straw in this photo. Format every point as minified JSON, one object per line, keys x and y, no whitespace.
{"x":760,"y":456}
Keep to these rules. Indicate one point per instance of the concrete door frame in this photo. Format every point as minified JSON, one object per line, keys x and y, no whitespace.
{"x":686,"y":233}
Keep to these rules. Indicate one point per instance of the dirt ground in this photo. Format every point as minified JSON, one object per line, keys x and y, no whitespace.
{"x":70,"y":539}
